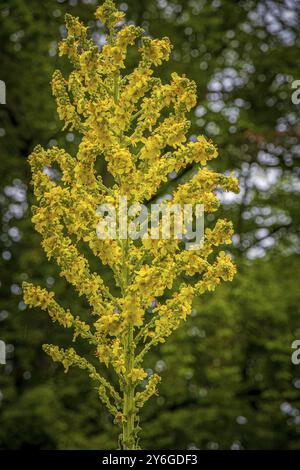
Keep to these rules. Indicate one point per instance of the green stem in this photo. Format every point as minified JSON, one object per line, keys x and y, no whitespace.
{"x":129,"y":409}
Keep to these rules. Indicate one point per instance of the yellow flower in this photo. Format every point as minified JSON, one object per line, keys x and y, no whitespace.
{"x":137,"y":375}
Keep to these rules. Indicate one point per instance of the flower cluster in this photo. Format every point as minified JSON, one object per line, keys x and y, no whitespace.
{"x":139,"y":126}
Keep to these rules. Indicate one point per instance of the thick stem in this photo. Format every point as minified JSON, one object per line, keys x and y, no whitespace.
{"x":129,"y":410}
{"x":129,"y":438}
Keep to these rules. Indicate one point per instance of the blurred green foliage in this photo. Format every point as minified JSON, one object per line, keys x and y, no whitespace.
{"x":228,"y":380}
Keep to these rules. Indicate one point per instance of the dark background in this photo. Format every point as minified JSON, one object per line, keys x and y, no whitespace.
{"x":228,"y":380}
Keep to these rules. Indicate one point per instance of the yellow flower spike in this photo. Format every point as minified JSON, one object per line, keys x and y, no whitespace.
{"x":139,"y":125}
{"x":108,"y":14}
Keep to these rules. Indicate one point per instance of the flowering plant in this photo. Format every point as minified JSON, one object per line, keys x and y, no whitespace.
{"x":138,"y":125}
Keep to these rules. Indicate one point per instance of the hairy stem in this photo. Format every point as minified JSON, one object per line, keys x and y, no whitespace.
{"x":129,"y":412}
{"x":129,"y":409}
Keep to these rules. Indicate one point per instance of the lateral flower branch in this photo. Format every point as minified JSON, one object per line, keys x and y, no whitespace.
{"x":139,"y":126}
